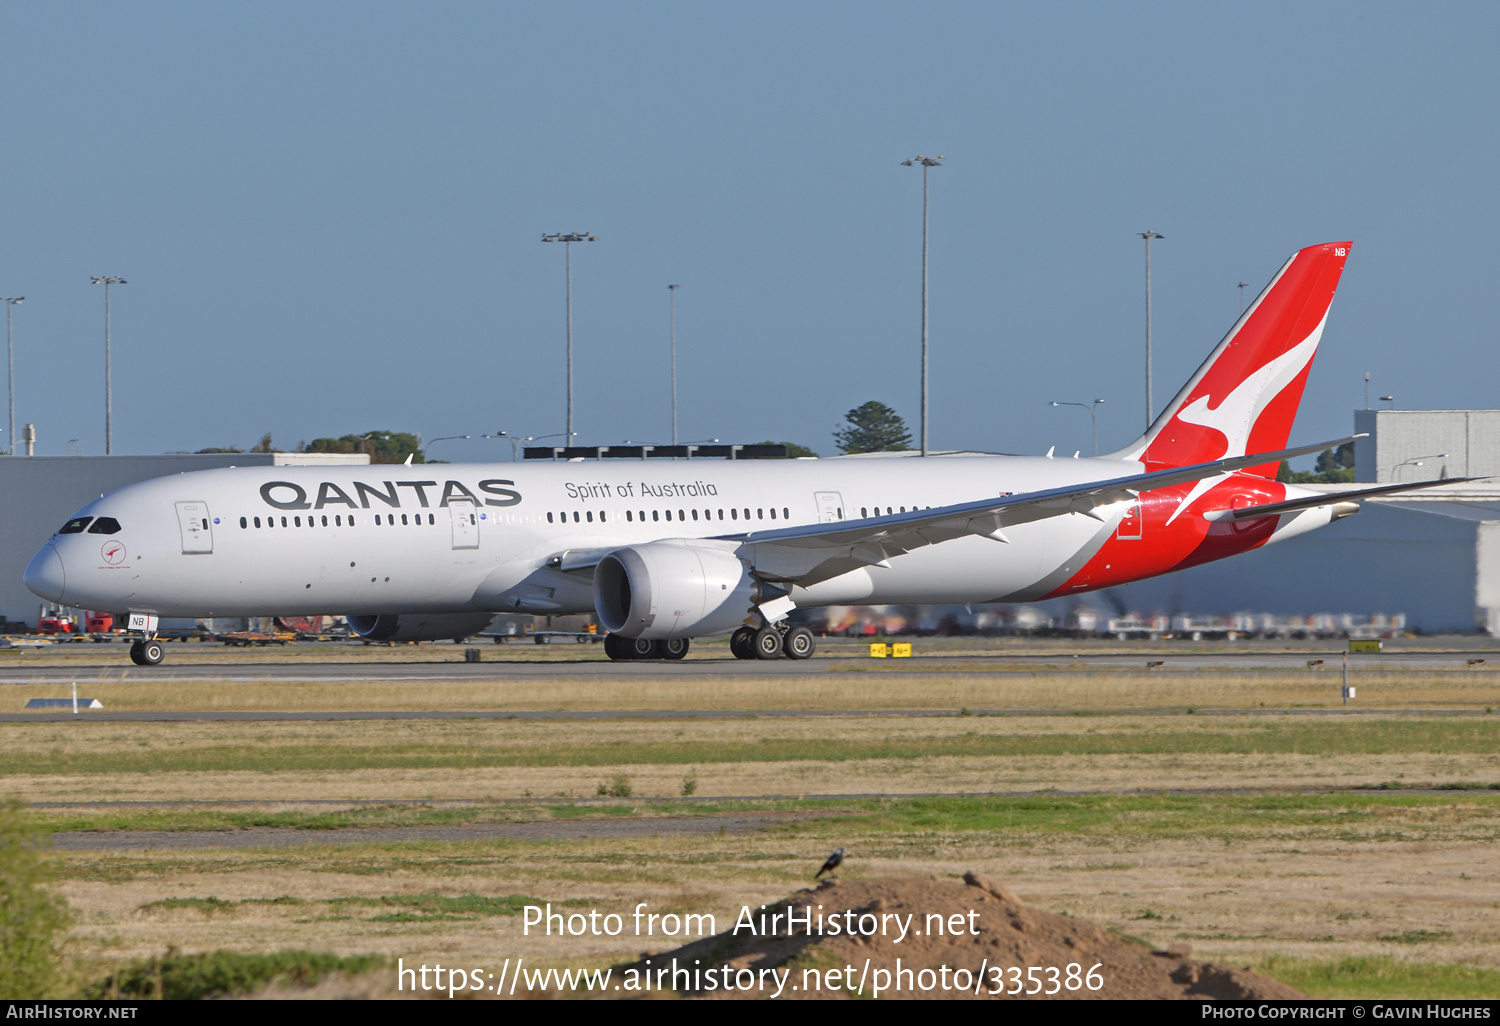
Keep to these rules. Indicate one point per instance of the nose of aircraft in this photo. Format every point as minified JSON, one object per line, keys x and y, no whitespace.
{"x":44,"y":574}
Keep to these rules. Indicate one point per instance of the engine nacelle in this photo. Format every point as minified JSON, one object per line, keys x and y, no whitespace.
{"x":419,"y":626}
{"x":672,"y":589}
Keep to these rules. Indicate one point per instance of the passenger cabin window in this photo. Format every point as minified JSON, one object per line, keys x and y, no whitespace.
{"x":257,"y":521}
{"x":75,"y":526}
{"x":109,"y":525}
{"x":629,"y":517}
{"x":244,"y":522}
{"x":549,"y":518}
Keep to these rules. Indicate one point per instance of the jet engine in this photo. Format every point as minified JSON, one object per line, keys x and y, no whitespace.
{"x":672,"y":589}
{"x":419,"y":626}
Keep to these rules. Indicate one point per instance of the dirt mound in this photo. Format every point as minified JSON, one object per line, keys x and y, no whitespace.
{"x":960,"y":940}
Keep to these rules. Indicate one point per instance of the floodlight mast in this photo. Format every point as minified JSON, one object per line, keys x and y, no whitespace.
{"x":1148,"y":235}
{"x":672,"y":303}
{"x":109,"y":431}
{"x":928,"y":163}
{"x":568,"y":239}
{"x":10,"y":369}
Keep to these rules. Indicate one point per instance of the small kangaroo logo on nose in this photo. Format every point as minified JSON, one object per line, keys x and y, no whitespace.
{"x":114,"y":552}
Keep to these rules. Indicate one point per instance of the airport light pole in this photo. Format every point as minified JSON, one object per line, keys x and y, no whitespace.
{"x":1093,"y":410}
{"x":109,"y":434}
{"x":928,"y":163}
{"x":1148,"y":235}
{"x":1242,"y":287}
{"x":1415,"y":461}
{"x":445,"y":438}
{"x":517,"y":440}
{"x":672,"y":304}
{"x":567,"y":240}
{"x":10,"y":369}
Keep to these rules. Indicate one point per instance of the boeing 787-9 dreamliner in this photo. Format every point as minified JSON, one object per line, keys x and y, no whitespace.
{"x":666,"y":551}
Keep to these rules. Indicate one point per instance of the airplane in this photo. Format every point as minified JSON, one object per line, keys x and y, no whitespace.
{"x":664,"y":552}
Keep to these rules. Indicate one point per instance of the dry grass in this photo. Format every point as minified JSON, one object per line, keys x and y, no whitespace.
{"x":852,"y":687}
{"x":1250,"y":893}
{"x":823,"y":755}
{"x":1411,"y":878}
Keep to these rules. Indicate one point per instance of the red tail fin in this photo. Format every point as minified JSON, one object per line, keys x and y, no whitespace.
{"x":1244,"y":397}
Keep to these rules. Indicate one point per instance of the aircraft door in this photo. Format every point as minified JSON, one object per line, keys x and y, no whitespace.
{"x":1130,"y":523}
{"x":465,"y":524}
{"x":830,"y":507}
{"x":197,"y":536}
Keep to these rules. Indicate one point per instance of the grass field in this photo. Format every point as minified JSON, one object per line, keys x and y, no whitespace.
{"x":851,"y":687}
{"x":1349,"y":855}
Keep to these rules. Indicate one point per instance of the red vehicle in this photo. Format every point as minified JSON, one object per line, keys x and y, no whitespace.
{"x":98,"y":623}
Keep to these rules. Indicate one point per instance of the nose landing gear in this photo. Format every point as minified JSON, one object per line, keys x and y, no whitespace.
{"x":147,"y":652}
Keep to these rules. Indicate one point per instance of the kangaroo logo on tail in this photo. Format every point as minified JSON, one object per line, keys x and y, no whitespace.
{"x":1244,"y":397}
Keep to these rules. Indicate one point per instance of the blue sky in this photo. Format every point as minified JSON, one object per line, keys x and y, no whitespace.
{"x":329,"y":214}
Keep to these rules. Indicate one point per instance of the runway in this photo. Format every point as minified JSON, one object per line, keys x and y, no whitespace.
{"x":98,"y":668}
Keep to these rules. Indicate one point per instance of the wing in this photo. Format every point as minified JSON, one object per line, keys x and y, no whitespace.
{"x":818,"y":552}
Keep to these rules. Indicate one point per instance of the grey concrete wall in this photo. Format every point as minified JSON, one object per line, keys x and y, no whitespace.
{"x":1386,"y":559}
{"x":39,"y":493}
{"x":1470,"y":438}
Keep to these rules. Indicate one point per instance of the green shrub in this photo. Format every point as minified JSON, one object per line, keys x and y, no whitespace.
{"x":32,"y":917}
{"x":215,"y":974}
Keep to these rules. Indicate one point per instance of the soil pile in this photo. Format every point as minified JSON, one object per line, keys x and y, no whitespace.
{"x":985,"y":931}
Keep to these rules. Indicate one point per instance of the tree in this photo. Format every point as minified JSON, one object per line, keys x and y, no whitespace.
{"x":264,"y":445}
{"x":1334,"y":466}
{"x":793,"y":450}
{"x":873,"y":427}
{"x":383,"y":446}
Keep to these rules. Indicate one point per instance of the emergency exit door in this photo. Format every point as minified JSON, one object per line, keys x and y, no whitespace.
{"x":193,"y":520}
{"x":465,"y":524}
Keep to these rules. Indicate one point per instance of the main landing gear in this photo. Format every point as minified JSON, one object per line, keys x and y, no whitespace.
{"x":617,"y":647}
{"x":773,"y":642}
{"x":146,"y":652}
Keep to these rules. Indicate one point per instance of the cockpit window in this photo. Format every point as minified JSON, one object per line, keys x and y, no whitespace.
{"x":105,"y":525}
{"x":75,"y":526}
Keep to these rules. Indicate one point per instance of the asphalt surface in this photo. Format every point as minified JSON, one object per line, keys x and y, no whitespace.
{"x":280,"y":837}
{"x":187,"y":668}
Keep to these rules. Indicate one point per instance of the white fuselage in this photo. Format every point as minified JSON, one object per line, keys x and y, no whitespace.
{"x":494,"y":537}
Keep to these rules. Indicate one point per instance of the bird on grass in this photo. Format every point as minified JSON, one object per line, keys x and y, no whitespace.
{"x":834,"y":861}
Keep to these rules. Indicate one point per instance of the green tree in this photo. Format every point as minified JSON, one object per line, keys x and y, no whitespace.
{"x":873,"y":427}
{"x":1334,"y":466}
{"x":32,"y":917}
{"x":793,"y":450}
{"x":383,"y":446}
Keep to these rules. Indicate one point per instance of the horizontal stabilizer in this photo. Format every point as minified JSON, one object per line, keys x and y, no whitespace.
{"x":1327,"y":499}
